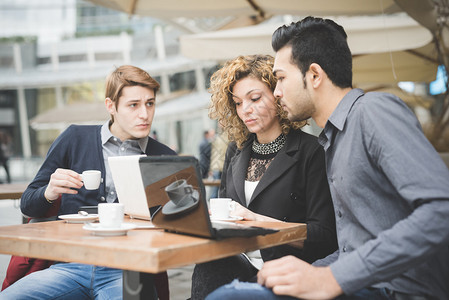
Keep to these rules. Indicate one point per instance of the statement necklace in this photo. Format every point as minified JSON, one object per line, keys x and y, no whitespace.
{"x":271,"y":147}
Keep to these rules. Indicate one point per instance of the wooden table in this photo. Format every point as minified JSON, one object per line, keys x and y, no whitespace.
{"x":141,"y":250}
{"x":144,"y":250}
{"x":12,"y":190}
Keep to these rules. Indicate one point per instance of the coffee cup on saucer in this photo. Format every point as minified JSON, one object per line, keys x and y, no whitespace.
{"x":111,"y":214}
{"x":221,"y":208}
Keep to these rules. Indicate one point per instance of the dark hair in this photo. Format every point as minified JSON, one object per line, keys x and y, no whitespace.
{"x":321,"y":41}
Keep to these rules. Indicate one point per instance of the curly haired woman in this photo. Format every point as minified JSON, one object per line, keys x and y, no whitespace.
{"x":272,"y":170}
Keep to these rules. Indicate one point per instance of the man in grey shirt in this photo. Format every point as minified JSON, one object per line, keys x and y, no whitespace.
{"x":389,"y":186}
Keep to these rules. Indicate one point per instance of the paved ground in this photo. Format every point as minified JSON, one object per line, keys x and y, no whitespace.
{"x":179,"y":279}
{"x":9,"y":215}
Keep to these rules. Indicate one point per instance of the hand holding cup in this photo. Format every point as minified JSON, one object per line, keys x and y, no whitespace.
{"x":63,"y":181}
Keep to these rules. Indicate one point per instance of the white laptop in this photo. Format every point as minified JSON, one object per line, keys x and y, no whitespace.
{"x":128,"y":183}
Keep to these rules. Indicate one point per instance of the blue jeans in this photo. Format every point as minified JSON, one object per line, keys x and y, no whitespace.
{"x":68,"y":281}
{"x":238,"y":290}
{"x":214,"y":190}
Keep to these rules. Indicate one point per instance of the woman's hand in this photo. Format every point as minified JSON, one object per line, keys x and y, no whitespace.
{"x":246,"y":214}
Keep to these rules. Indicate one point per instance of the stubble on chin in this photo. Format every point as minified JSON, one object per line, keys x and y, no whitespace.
{"x":298,"y":117}
{"x":290,"y":115}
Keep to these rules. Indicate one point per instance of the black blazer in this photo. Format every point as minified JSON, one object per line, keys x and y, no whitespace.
{"x":294,"y":188}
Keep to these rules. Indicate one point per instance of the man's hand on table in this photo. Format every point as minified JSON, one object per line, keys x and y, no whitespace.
{"x":294,"y":277}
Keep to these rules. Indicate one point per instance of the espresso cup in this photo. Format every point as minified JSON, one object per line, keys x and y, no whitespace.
{"x":111,"y":214}
{"x":91,"y":179}
{"x":179,"y":192}
{"x":221,"y":208}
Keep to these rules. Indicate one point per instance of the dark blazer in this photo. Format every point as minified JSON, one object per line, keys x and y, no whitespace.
{"x":293,"y":189}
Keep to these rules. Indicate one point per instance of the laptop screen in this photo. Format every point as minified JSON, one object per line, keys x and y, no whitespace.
{"x":189,"y":214}
{"x":128,"y":184}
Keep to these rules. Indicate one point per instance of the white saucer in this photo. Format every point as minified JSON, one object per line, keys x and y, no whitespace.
{"x":96,"y":229}
{"x":77,"y":218}
{"x":231,"y":218}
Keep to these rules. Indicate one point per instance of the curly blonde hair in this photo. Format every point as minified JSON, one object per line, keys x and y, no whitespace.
{"x":222,"y":107}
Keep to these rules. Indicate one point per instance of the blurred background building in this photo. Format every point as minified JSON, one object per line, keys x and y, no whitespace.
{"x":56,"y":54}
{"x":54,"y":58}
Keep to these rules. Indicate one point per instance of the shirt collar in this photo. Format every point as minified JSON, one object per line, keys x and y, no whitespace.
{"x":341,"y":112}
{"x":338,"y":117}
{"x":106,"y":135}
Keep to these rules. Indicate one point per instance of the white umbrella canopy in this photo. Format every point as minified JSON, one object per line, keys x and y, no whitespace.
{"x":219,"y":8}
{"x":76,"y":113}
{"x":374,"y":34}
{"x":380,"y":45}
{"x":417,"y":65}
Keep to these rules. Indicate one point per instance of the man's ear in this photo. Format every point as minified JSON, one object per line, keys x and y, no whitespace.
{"x":317,"y":74}
{"x":109,"y":106}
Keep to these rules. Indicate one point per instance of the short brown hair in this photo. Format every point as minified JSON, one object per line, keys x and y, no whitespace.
{"x":124,"y":76}
{"x":222,"y":105}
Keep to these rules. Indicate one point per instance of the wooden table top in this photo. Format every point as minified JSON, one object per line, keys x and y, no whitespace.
{"x":12,"y":190}
{"x":143,"y":250}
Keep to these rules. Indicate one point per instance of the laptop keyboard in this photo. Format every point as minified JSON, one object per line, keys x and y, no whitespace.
{"x":231,"y":229}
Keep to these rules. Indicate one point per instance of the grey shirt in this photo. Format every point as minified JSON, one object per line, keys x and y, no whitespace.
{"x":113,"y":146}
{"x":390,"y":191}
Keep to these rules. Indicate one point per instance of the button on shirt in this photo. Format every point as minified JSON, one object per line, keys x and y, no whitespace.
{"x":390,"y":191}
{"x":113,"y":146}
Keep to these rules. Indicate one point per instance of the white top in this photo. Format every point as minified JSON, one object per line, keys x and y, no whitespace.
{"x":254,"y":257}
{"x":250,"y":187}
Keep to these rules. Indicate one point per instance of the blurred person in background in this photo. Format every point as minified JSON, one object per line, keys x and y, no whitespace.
{"x":5,"y":153}
{"x":218,"y":152}
{"x":205,"y":149}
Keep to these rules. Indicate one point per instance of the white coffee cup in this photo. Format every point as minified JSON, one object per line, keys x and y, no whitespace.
{"x":111,"y":214}
{"x":91,"y":179}
{"x":221,"y":208}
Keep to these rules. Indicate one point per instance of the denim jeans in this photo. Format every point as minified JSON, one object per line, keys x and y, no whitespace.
{"x":238,"y":290}
{"x":68,"y":281}
{"x":209,"y":276}
{"x":214,"y":190}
